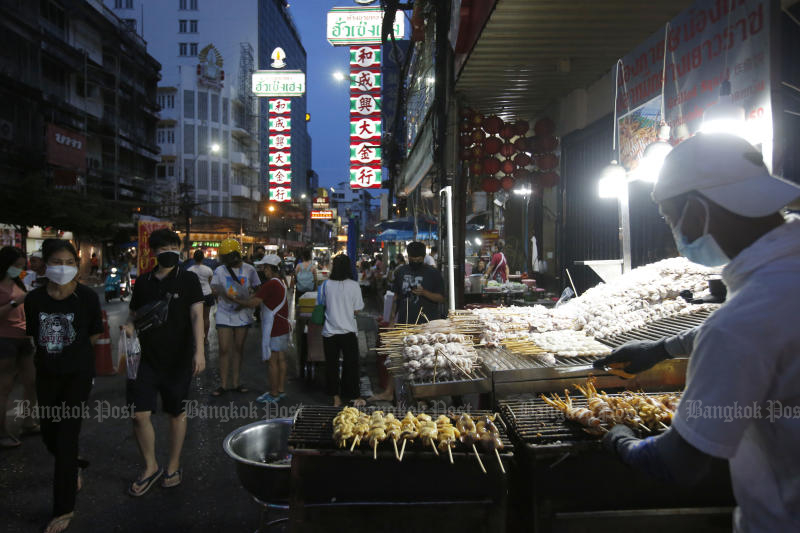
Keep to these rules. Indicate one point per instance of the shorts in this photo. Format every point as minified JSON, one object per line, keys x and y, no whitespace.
{"x":209,"y":300}
{"x":172,"y":385}
{"x":221,"y":326}
{"x":279,"y":343}
{"x":15,"y":347}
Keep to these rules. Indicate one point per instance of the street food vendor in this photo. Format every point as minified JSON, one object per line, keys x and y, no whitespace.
{"x":418,"y":289}
{"x":498,"y":268}
{"x":741,"y":401}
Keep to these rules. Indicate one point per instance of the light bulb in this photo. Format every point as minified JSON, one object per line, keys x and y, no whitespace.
{"x":612,"y":181}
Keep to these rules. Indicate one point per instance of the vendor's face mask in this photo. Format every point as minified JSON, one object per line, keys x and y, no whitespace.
{"x":168,"y":259}
{"x":704,"y":250}
{"x":13,"y":272}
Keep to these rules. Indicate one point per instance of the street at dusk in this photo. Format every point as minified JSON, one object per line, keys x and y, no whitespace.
{"x":324,"y":266}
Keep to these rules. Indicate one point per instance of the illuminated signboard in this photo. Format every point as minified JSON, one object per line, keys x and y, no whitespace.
{"x":321,"y":214}
{"x":279,"y":83}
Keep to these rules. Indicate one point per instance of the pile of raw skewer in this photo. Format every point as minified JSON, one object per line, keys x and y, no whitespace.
{"x":358,"y":427}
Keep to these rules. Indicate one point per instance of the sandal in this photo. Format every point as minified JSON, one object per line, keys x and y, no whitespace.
{"x":59,"y":523}
{"x":240,"y":388}
{"x":219,"y":391}
{"x":172,"y":480}
{"x":147,"y":483}
{"x":9,"y":441}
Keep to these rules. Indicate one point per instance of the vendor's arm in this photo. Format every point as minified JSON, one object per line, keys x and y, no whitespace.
{"x":430,"y":295}
{"x":638,"y":356}
{"x":667,"y":457}
{"x":682,"y":343}
{"x":250,"y":301}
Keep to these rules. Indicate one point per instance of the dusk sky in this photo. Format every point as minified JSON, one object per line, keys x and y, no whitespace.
{"x":328,"y":99}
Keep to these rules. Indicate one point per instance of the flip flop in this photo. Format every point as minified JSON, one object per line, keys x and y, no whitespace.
{"x":240,"y":388}
{"x":219,"y":391}
{"x":9,"y":441}
{"x":147,"y":483}
{"x":169,"y":480}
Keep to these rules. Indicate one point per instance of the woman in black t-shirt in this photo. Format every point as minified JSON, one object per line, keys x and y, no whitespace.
{"x":65,"y":320}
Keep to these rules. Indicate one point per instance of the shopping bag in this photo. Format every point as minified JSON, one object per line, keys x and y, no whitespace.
{"x":130,"y":354}
{"x":318,"y":316}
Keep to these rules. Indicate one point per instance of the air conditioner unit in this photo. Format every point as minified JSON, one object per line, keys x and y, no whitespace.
{"x":6,"y":130}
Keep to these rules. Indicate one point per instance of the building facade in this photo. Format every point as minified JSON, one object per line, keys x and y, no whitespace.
{"x":78,"y":102}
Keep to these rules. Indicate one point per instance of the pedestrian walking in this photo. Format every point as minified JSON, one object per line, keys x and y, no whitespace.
{"x":204,"y":275}
{"x":16,"y":348}
{"x":305,"y":275}
{"x":167,"y":312}
{"x":233,"y":280}
{"x":342,"y":298}
{"x":64,"y":319}
{"x":275,"y":328}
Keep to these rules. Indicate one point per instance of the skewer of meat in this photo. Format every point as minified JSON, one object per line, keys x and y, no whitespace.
{"x":447,"y":435}
{"x":469,"y":435}
{"x":360,"y":429}
{"x":393,"y":430}
{"x":490,"y":437}
{"x":428,"y":431}
{"x":409,"y":430}
{"x":377,"y":432}
{"x":343,"y":424}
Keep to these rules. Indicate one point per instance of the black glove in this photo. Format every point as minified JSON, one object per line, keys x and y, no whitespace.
{"x":617,"y":435}
{"x":636,"y":356}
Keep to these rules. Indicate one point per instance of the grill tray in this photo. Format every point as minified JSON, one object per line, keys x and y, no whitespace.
{"x":658,"y":329}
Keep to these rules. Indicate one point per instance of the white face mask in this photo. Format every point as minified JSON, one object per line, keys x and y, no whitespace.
{"x":705,"y":250}
{"x":13,"y":272}
{"x":61,"y":274}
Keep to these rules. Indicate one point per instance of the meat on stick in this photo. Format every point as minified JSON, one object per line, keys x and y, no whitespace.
{"x":393,"y":431}
{"x":377,"y":431}
{"x":469,"y":435}
{"x":409,"y":430}
{"x":428,"y":431}
{"x":360,"y":429}
{"x":447,"y":435}
{"x":490,"y":437}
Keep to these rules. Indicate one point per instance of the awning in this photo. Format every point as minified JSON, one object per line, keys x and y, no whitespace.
{"x":533,"y":52}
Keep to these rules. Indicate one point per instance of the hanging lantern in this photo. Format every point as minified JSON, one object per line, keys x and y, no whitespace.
{"x":478,"y":136}
{"x":507,"y":132}
{"x":523,"y":175}
{"x":477,"y":119}
{"x":476,"y":152}
{"x":546,"y":161}
{"x":507,"y":150}
{"x":491,"y":165}
{"x":465,"y":140}
{"x":492,"y":145}
{"x":544,"y":127}
{"x":549,"y":180}
{"x":476,"y":167}
{"x":521,"y":144}
{"x":489,"y":184}
{"x":493,"y":124}
{"x":521,"y":127}
{"x":465,"y":154}
{"x":508,"y":166}
{"x":522,"y":160}
{"x":507,"y":183}
{"x":549,"y":143}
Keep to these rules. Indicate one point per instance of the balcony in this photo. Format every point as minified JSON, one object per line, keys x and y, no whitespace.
{"x":239,"y":160}
{"x":169,"y":150}
{"x":240,"y":133}
{"x":240,"y":191}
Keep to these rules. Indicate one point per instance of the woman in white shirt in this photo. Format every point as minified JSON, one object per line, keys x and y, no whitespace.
{"x":204,"y":274}
{"x":342,"y":298}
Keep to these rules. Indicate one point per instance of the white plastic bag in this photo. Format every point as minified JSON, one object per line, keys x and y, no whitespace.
{"x":131,"y":350}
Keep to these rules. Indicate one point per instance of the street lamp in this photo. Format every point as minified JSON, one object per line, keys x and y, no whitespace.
{"x":338,"y":75}
{"x":214,"y":148}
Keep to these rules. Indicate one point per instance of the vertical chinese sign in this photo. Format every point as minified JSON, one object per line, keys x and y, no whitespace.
{"x":280,"y":150}
{"x":360,"y":29}
{"x":146,"y":260}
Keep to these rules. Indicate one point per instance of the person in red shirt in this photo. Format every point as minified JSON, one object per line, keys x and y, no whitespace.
{"x":498,"y":268}
{"x":275,"y":327}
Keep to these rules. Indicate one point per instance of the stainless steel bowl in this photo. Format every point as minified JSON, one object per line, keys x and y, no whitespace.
{"x":261,"y":452}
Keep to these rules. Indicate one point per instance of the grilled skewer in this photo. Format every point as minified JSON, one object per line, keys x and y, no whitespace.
{"x":409,"y":430}
{"x":469,"y":435}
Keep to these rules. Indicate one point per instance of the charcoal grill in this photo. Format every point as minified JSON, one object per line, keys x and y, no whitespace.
{"x":333,"y":489}
{"x":571,"y":484}
{"x":658,"y":329}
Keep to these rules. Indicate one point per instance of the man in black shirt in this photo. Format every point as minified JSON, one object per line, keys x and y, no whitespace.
{"x":417,"y":287}
{"x":171,"y":354}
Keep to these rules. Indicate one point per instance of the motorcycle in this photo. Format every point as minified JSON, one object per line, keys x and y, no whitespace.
{"x":112,"y":285}
{"x":124,"y":290}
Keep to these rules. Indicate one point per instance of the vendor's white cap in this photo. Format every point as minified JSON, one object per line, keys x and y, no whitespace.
{"x":37,"y":253}
{"x":727,"y":170}
{"x":270,"y":259}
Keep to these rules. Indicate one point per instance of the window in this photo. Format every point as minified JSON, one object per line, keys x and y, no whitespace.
{"x":188,"y":103}
{"x":202,"y":105}
{"x":202,"y":139}
{"x":161,"y":171}
{"x":215,"y":176}
{"x":166,"y":101}
{"x":53,"y":13}
{"x":181,"y":26}
{"x":224,"y":110}
{"x":182,"y":5}
{"x":215,"y":107}
{"x":117,"y":4}
{"x":225,"y":178}
{"x":188,"y":139}
{"x":192,"y":26}
{"x":192,"y":49}
{"x":183,"y":49}
{"x":202,"y":174}
{"x":193,"y":5}
{"x":165,"y":135}
{"x":188,"y":174}
{"x":128,"y":4}
{"x":171,"y":171}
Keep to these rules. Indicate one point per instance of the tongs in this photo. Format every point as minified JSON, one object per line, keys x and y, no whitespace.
{"x":611,"y":368}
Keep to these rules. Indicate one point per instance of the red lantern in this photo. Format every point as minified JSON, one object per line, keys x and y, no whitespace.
{"x":492,"y":145}
{"x":507,"y":166}
{"x":476,"y":167}
{"x":477,"y":152}
{"x":491,"y":165}
{"x":489,"y":184}
{"x":521,"y":144}
{"x":522,"y":160}
{"x":466,"y":154}
{"x":546,"y":161}
{"x":478,"y":136}
{"x":477,"y":119}
{"x":465,"y":140}
{"x":521,"y":127}
{"x":507,"y":150}
{"x":548,"y":179}
{"x":544,"y":127}
{"x":549,"y":143}
{"x":523,"y":175}
{"x":492,"y":124}
{"x":507,"y":183}
{"x":506,"y":132}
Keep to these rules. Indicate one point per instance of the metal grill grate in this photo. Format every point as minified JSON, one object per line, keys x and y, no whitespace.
{"x":313,"y":429}
{"x":664,"y":327}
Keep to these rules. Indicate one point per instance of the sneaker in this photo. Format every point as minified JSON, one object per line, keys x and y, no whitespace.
{"x":281,"y":396}
{"x":266,"y":398}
